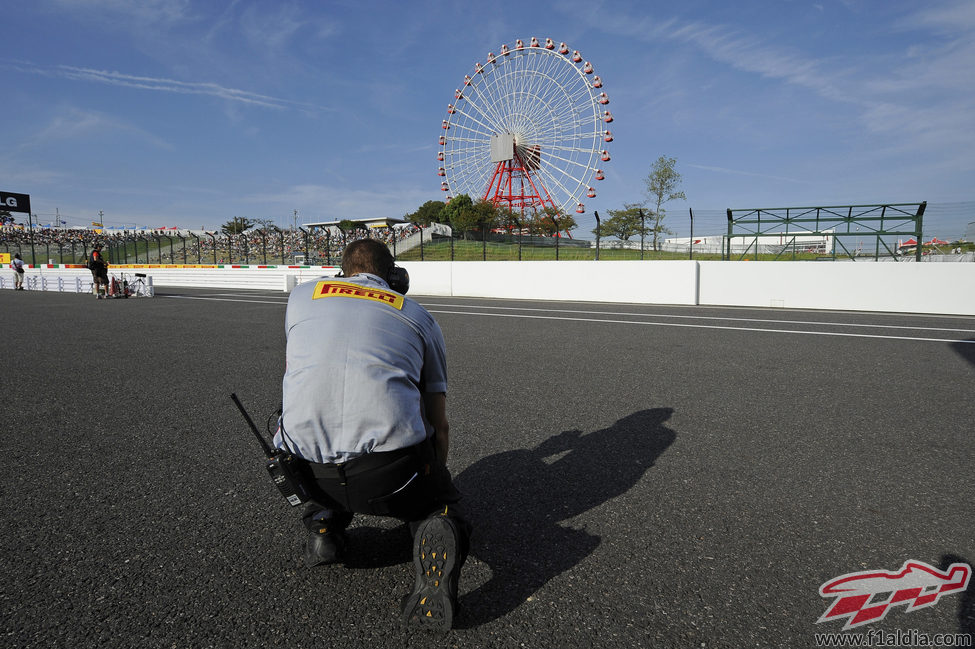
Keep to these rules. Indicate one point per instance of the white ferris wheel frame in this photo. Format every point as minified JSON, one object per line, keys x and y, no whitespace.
{"x":544,"y":96}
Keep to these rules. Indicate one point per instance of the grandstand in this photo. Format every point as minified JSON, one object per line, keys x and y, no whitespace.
{"x":372,"y":223}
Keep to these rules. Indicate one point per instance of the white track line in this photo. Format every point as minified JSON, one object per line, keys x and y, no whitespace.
{"x":651,"y":324}
{"x":695,"y":317}
{"x":697,"y":326}
{"x":220,"y":299}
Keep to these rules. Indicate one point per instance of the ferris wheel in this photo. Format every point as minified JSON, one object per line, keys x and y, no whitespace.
{"x":527,"y":130}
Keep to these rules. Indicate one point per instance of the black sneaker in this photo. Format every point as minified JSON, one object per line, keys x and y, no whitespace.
{"x":436,"y":557}
{"x":324,"y":547}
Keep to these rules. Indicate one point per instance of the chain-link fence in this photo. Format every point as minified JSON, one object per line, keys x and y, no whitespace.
{"x":260,"y":247}
{"x":323,"y":246}
{"x":311,"y":247}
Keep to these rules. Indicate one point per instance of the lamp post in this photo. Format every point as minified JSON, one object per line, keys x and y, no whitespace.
{"x":598,"y":229}
{"x":521,"y":235}
{"x":305,"y":234}
{"x":30,"y":226}
{"x":158,"y":239}
{"x":281,"y":236}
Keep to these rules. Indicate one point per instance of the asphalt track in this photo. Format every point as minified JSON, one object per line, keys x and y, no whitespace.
{"x":638,"y":475}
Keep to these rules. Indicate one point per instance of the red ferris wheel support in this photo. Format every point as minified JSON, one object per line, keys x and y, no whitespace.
{"x":513,"y":185}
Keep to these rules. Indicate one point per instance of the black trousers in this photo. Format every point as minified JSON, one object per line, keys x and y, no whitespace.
{"x":409,"y":484}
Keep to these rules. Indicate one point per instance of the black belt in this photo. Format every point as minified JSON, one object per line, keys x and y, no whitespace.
{"x":368,"y":462}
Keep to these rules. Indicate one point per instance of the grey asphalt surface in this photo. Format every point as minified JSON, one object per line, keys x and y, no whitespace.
{"x":638,"y":475}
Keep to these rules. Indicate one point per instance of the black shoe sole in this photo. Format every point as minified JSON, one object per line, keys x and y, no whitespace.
{"x":435,"y":555}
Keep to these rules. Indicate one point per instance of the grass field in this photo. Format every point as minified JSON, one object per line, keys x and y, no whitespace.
{"x":494,"y":251}
{"x":463,"y":250}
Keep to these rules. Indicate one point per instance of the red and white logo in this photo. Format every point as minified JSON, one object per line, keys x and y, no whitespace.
{"x":865,"y":597}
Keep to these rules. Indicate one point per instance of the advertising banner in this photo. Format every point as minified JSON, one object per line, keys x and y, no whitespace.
{"x":14,"y":202}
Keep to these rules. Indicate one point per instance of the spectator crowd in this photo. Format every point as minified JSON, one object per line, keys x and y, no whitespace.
{"x":271,"y":246}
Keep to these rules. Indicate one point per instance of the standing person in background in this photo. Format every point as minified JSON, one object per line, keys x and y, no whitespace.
{"x":99,"y":272}
{"x":18,"y":265}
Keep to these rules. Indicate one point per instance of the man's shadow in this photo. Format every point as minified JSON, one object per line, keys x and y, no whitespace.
{"x":965,"y":349}
{"x":517,"y":501}
{"x":966,"y":604}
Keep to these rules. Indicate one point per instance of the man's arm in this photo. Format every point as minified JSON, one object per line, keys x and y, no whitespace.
{"x":435,"y":406}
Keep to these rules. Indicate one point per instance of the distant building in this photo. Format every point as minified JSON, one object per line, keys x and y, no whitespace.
{"x":375,"y":222}
{"x":772,"y":243}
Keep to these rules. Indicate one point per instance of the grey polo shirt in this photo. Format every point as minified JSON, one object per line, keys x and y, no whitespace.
{"x":359,"y":357}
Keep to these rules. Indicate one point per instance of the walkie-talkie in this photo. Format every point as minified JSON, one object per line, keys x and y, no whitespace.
{"x":280,"y":465}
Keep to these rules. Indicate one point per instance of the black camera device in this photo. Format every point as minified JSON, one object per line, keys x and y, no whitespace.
{"x":281,"y":465}
{"x":397,"y":278}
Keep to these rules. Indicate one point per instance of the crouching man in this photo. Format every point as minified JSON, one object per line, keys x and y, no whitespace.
{"x":364,"y":410}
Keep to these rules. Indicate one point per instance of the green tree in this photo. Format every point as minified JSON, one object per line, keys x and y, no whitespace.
{"x":429,"y":212}
{"x":621,"y":224}
{"x":347,"y":226}
{"x":663,"y":186}
{"x":551,"y":221}
{"x":461,"y":214}
{"x":237,"y":225}
{"x":488,"y":214}
{"x":540,"y":223}
{"x":508,"y":218}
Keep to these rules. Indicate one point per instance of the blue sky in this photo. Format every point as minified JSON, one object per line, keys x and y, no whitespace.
{"x":188,"y":113}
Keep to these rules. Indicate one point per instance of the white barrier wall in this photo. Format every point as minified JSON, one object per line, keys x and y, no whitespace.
{"x":907,"y":287}
{"x":280,"y":278}
{"x":646,"y":282}
{"x":430,"y":277}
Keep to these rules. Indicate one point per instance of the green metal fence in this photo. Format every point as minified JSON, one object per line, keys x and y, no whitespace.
{"x":850,"y":231}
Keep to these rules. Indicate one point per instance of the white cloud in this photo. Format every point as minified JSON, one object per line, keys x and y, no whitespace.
{"x":16,"y":175}
{"x":75,"y":123}
{"x":274,"y":30}
{"x":737,"y":172}
{"x":923,"y":99}
{"x":160,"y":84}
{"x":142,"y":11}
{"x":951,"y":17}
{"x":171,"y":85}
{"x":746,"y":52}
{"x":327,"y":201}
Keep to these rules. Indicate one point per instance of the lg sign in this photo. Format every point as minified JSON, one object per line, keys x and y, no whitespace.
{"x":14,"y":202}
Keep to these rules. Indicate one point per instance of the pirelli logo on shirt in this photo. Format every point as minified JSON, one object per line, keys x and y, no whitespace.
{"x":345,"y":289}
